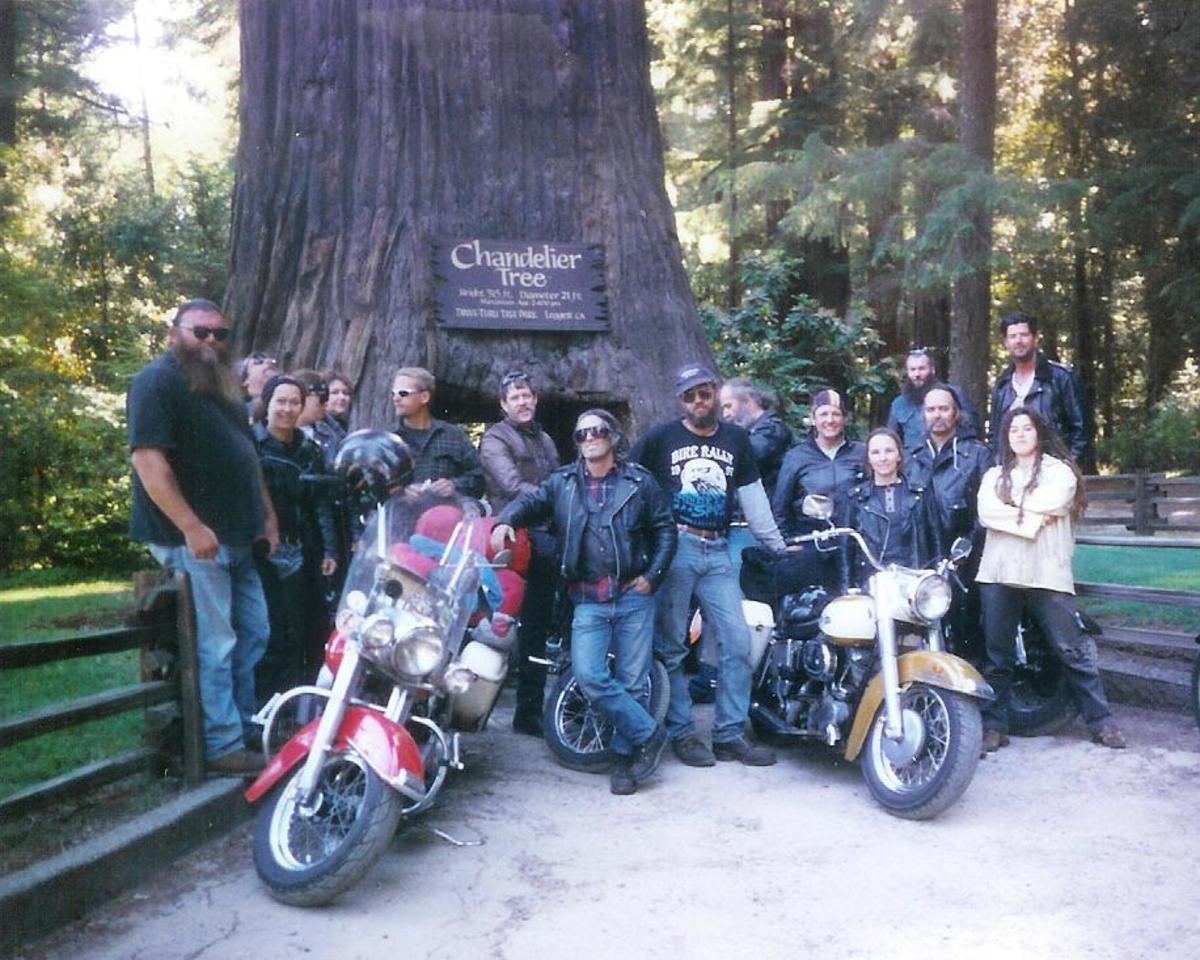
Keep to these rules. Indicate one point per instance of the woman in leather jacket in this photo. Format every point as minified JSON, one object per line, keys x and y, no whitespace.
{"x":306,"y":541}
{"x":825,"y":463}
{"x":887,"y":510}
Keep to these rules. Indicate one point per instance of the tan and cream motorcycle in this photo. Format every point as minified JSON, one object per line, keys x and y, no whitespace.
{"x":867,"y":673}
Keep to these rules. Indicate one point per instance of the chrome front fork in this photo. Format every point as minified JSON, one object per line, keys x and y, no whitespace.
{"x":344,"y":682}
{"x":893,"y":724}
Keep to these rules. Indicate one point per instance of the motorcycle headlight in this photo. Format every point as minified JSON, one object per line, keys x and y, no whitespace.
{"x":418,"y":653}
{"x":377,"y":634}
{"x":931,"y":597}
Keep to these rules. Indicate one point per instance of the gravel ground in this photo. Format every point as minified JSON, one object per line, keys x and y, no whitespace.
{"x":1059,"y":849}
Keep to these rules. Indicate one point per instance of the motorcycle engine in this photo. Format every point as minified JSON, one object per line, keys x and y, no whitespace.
{"x":819,"y":660}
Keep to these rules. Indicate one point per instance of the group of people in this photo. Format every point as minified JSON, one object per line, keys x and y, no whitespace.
{"x":632,"y":535}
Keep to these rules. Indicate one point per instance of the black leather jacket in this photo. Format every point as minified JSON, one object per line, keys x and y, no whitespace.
{"x":770,"y":439}
{"x":901,"y":537}
{"x":806,"y":470}
{"x":1056,"y":394}
{"x":304,"y":511}
{"x":950,"y":478}
{"x":638,"y":516}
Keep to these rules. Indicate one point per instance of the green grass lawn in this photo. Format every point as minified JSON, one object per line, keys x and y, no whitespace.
{"x":33,"y":610}
{"x":1141,"y":567}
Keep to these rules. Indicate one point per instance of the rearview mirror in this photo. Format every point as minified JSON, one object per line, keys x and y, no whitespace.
{"x":960,"y":548}
{"x":817,"y":506}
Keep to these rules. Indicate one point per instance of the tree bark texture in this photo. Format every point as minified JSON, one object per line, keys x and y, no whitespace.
{"x":9,"y":79}
{"x":370,"y":129}
{"x":971,"y":296}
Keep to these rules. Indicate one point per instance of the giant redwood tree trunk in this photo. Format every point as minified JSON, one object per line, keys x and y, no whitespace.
{"x":370,"y":130}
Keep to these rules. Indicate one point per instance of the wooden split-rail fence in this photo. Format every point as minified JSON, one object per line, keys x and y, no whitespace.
{"x":163,"y":630}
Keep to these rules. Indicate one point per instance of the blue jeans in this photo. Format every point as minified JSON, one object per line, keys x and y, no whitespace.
{"x":624,"y":626}
{"x":704,"y":568}
{"x":739,"y":539}
{"x":231,"y":635}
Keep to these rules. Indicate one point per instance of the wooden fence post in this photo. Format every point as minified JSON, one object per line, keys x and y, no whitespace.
{"x":1141,"y":523}
{"x":189,"y":684}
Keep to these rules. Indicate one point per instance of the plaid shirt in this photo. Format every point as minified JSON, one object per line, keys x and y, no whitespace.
{"x":599,"y":490}
{"x":444,"y":451}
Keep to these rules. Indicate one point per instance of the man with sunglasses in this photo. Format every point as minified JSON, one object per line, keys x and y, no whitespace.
{"x":705,"y":465}
{"x":517,"y":455}
{"x":199,"y":503}
{"x":254,"y":371}
{"x":444,"y":460}
{"x":615,"y":540}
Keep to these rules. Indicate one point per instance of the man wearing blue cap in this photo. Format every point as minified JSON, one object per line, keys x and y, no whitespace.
{"x":704,"y":464}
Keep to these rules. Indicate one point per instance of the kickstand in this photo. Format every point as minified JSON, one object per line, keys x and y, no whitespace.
{"x":453,"y":841}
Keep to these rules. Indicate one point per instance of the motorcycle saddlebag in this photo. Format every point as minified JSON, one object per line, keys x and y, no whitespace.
{"x":768,"y":576}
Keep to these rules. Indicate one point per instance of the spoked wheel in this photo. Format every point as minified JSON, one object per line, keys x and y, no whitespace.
{"x":579,"y":736}
{"x":309,"y":855}
{"x":1040,"y":702}
{"x":924,"y":772}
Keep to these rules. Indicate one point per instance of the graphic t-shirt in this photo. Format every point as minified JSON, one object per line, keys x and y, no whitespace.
{"x":701,"y":474}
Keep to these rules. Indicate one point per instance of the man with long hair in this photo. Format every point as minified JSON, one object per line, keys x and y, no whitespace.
{"x":199,"y":503}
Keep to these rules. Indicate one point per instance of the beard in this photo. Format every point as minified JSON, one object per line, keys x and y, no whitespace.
{"x":212,"y":378}
{"x":915,"y":394}
{"x":703,"y":421}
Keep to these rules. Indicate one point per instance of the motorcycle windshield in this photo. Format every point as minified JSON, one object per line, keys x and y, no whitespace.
{"x":417,"y":566}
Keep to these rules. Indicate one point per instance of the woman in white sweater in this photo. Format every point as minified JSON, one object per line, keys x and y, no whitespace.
{"x":1029,"y":504}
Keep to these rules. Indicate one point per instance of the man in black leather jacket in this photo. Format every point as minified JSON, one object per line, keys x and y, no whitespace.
{"x":950,"y":467}
{"x":1034,"y":380}
{"x":616,"y":538}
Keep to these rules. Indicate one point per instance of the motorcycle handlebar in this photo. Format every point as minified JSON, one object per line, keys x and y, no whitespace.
{"x":817,"y":536}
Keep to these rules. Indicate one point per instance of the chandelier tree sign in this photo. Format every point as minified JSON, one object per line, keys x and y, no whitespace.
{"x":520,"y":285}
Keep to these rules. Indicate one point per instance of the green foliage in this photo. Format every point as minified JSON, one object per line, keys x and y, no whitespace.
{"x":786,"y":340}
{"x":828,"y":129}
{"x":90,"y":261}
{"x":1169,"y":439}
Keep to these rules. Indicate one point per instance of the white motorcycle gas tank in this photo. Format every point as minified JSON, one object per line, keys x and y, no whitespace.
{"x":761,"y":621}
{"x":850,"y":620}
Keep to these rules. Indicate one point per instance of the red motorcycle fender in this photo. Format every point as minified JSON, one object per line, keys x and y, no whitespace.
{"x":387,"y":748}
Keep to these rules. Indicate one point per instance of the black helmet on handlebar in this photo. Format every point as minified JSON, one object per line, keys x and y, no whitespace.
{"x":374,"y":462}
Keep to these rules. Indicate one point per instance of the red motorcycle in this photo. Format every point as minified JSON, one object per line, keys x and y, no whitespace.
{"x":423,"y":632}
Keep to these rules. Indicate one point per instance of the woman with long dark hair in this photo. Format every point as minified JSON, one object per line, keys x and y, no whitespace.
{"x":1029,"y":504}
{"x":306,"y":540}
{"x":887,"y":510}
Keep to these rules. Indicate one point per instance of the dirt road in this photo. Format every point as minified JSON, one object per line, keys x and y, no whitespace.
{"x":1059,"y":849}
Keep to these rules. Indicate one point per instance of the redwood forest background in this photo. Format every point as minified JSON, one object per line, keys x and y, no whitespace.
{"x":848,"y":177}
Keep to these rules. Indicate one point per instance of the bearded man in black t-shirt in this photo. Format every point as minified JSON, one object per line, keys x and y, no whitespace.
{"x":199,"y":502}
{"x":703,"y":464}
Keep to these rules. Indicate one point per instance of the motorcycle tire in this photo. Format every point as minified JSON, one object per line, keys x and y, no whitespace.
{"x":577,"y":735}
{"x":943,"y":759}
{"x":307,"y":861}
{"x":1040,"y":703}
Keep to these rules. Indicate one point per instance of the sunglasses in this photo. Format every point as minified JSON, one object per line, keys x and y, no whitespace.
{"x":698,"y":393}
{"x":201,"y":332}
{"x":402,"y":394}
{"x":516,"y":376}
{"x":600,"y":432}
